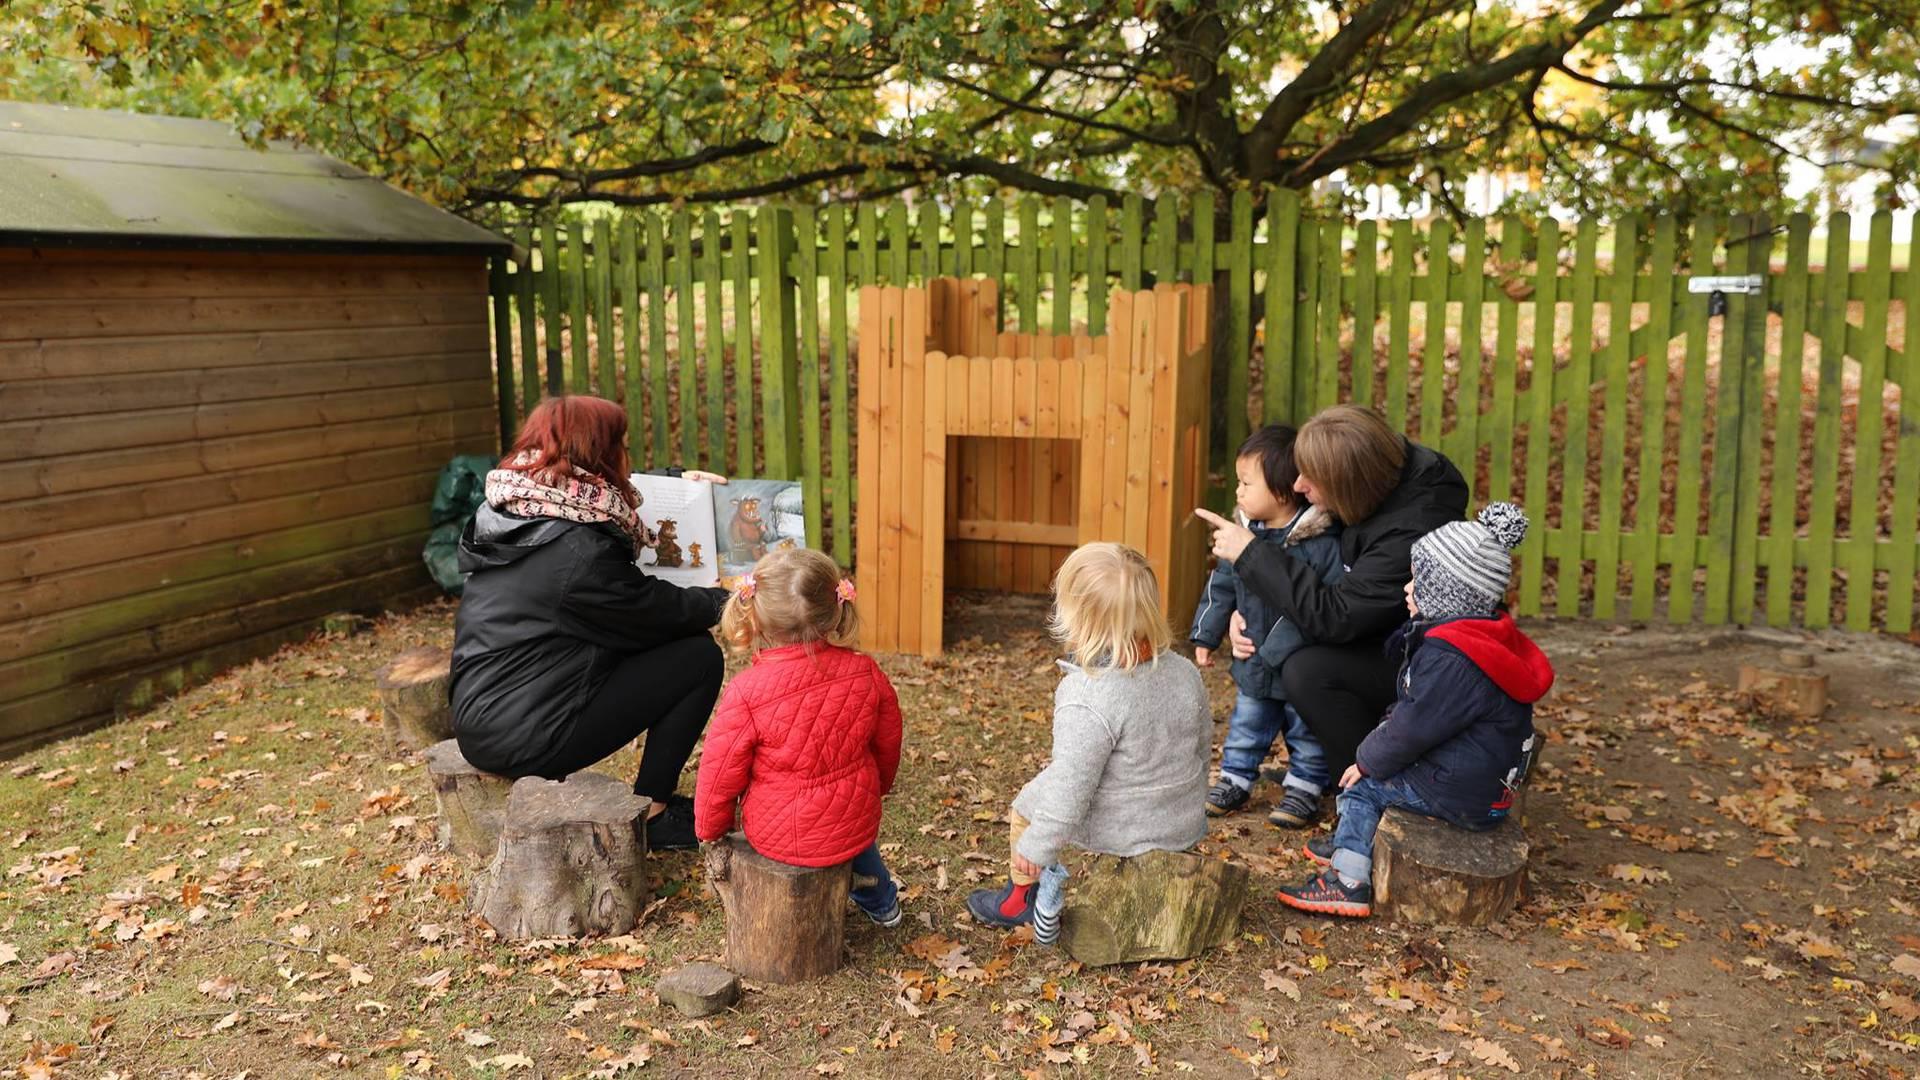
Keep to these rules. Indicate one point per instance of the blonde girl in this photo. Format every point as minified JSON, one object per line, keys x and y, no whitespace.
{"x":1131,"y":733}
{"x":806,"y":740}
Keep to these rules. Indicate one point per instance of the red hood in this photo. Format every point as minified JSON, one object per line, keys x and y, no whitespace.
{"x":1498,"y":648}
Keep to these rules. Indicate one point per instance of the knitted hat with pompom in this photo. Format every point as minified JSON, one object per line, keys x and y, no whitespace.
{"x":1463,"y":568}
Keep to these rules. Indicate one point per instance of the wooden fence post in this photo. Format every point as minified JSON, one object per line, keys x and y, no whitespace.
{"x":779,"y":378}
{"x":1757,"y":256}
{"x":502,"y":345}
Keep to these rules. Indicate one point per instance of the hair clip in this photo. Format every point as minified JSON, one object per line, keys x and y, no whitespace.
{"x":746,"y":586}
{"x":844,"y":590}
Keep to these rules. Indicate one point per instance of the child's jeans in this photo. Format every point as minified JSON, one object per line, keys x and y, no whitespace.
{"x":1255,"y":723}
{"x":879,"y":898}
{"x":1361,"y":807}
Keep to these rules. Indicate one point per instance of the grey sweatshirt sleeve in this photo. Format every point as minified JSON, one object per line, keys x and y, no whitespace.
{"x":1055,"y":802}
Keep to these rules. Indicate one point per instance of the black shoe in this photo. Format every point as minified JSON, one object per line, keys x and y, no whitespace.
{"x":1297,"y":809}
{"x":1319,"y":850}
{"x":1226,"y":797}
{"x":672,"y":829}
{"x":1328,"y":895}
{"x":1006,"y":907}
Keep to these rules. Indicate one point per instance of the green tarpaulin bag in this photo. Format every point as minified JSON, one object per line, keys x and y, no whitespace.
{"x":461,"y":490}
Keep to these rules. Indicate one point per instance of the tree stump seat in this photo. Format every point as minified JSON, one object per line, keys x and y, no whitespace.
{"x":571,"y":861}
{"x":785,"y":924}
{"x":414,"y":706}
{"x":1795,"y":687}
{"x":473,"y":804}
{"x":1160,"y":905}
{"x":1428,"y":871}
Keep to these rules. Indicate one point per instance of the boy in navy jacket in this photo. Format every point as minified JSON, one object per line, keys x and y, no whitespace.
{"x":1277,"y":516}
{"x":1458,"y":741}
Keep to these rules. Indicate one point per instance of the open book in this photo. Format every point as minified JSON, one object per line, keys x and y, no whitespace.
{"x":710,"y":534}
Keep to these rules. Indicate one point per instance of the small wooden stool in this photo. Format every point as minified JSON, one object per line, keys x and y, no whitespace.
{"x":413,"y":697}
{"x":572,"y":860}
{"x":785,"y":924}
{"x":1427,"y":871}
{"x":472,"y":803}
{"x":1160,"y":905}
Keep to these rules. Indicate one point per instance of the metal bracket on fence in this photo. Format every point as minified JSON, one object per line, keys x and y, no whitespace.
{"x":1717,"y":289}
{"x":1746,"y":284}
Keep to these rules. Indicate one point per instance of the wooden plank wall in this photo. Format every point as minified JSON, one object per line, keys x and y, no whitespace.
{"x":945,"y":496}
{"x":207,"y":452}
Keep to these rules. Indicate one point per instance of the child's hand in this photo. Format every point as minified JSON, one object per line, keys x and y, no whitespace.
{"x":1202,"y":656}
{"x":1243,"y":646}
{"x":1024,"y":865}
{"x":1351,"y":776}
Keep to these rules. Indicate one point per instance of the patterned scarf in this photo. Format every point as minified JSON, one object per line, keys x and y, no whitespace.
{"x":583,"y":498}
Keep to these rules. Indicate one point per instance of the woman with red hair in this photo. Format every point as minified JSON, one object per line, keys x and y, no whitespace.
{"x":564,"y":651}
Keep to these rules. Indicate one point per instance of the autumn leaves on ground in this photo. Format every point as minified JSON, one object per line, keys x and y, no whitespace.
{"x":244,"y":881}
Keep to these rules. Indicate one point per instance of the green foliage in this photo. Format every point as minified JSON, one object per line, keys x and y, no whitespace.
{"x":534,"y":102}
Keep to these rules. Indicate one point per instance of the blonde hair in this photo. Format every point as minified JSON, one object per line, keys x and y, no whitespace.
{"x":794,"y":600}
{"x":1106,"y":607}
{"x":1352,"y":459}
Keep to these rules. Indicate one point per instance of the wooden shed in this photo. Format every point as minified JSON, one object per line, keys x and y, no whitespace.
{"x":228,"y":380}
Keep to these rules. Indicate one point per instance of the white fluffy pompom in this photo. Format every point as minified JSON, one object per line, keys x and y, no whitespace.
{"x":1507,"y":523}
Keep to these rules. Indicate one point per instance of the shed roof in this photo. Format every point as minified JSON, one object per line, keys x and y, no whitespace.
{"x":87,"y":177}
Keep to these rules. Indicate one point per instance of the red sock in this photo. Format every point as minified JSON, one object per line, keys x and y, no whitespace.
{"x":1016,"y":901}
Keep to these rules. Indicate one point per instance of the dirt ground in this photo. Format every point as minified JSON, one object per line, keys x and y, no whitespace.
{"x":244,"y":882}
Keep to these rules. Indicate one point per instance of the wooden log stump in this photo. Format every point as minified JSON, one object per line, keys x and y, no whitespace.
{"x":785,"y":924}
{"x":473,"y":804}
{"x":413,"y":697}
{"x":1796,"y":687}
{"x":571,"y":860}
{"x":699,"y":990}
{"x":1427,"y":871}
{"x":1161,"y":905}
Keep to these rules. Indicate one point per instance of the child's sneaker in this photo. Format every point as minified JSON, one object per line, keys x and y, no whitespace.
{"x":887,"y":919}
{"x":1296,"y":810}
{"x":1006,"y":907}
{"x":1319,"y":850}
{"x":1226,"y":797}
{"x":1326,"y":894}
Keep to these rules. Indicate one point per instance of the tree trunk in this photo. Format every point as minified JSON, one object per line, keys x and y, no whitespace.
{"x":1427,"y":871}
{"x":413,"y":697}
{"x":571,"y":861}
{"x":1161,"y":905}
{"x":473,"y":804}
{"x":785,"y":924}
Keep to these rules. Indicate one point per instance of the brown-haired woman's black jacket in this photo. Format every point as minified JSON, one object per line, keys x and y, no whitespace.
{"x":551,"y":608}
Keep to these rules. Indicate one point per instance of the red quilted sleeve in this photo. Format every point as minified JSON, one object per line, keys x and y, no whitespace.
{"x":886,"y":732}
{"x":725,"y":765}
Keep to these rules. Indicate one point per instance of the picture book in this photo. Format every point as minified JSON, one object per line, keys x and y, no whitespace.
{"x":710,"y":534}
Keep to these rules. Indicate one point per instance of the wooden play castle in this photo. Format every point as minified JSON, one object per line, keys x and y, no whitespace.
{"x":986,"y":456}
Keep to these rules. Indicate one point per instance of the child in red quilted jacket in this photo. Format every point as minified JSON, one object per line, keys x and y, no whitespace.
{"x":808,"y":737}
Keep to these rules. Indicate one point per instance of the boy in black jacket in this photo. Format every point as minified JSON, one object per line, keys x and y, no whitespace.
{"x":1459,"y":738}
{"x":1277,"y":516}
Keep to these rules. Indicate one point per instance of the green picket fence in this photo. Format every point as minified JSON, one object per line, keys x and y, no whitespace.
{"x":1694,"y":466}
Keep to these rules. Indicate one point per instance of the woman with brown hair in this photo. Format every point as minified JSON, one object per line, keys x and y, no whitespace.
{"x":1387,"y":491}
{"x":563,"y":650}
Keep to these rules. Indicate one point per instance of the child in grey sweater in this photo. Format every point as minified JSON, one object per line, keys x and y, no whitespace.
{"x":1131,"y":734}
